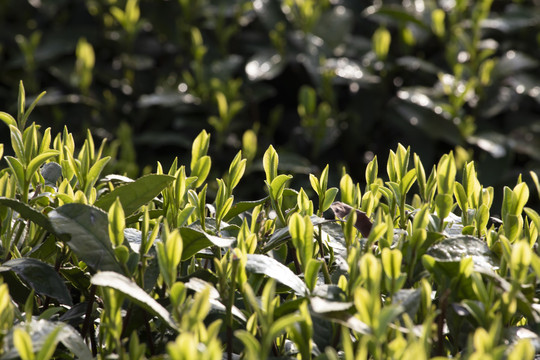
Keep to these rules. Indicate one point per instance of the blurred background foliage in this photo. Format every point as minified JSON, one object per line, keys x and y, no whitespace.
{"x":330,"y":81}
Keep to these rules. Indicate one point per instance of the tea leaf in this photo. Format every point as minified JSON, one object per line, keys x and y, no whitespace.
{"x":18,"y":171}
{"x":51,"y":173}
{"x":381,"y":42}
{"x":278,"y":185}
{"x":95,"y":171}
{"x":446,"y":174}
{"x":311,"y":272}
{"x":196,"y":239}
{"x":455,"y":248}
{"x":40,"y":276}
{"x":49,"y":345}
{"x":270,"y":164}
{"x":23,"y":344}
{"x":236,"y":170}
{"x":134,"y":292}
{"x":7,"y":119}
{"x":363,"y":223}
{"x":27,"y":212}
{"x":329,"y":198}
{"x":17,"y":143}
{"x":117,"y":223}
{"x":201,"y":170}
{"x":262,"y":264}
{"x":87,"y":227}
{"x":199,"y":148}
{"x":135,"y":194}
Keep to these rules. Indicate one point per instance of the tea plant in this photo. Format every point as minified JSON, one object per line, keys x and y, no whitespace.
{"x":170,"y":265}
{"x":318,"y":80}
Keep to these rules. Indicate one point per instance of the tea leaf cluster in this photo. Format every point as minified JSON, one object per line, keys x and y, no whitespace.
{"x":411,"y":265}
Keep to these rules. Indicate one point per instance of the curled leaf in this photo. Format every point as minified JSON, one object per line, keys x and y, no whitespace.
{"x":363,"y":223}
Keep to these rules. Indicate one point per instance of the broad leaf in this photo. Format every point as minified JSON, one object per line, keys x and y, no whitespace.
{"x":134,"y":292}
{"x":262,"y":264}
{"x":363,"y":223}
{"x":198,"y":285}
{"x":195,"y":239}
{"x":135,"y":194}
{"x":242,"y":206}
{"x":456,"y":248}
{"x":282,"y":235}
{"x":51,"y":172}
{"x":321,"y":306}
{"x":409,"y":300}
{"x":88,"y":228}
{"x":40,"y":276}
{"x":27,"y":212}
{"x":39,"y":331}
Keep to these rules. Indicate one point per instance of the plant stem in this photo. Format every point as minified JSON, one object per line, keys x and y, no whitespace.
{"x":88,"y":314}
{"x":326,"y":273}
{"x":440,"y":323}
{"x":230,"y":303}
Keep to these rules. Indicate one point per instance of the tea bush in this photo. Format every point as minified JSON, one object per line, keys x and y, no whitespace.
{"x":412,"y":266}
{"x":319,"y":80}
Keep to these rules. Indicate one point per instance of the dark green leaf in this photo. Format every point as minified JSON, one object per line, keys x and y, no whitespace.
{"x":282,"y":235}
{"x":195,"y":239}
{"x":262,"y":264}
{"x":40,"y":276}
{"x":340,"y":20}
{"x":455,"y":248}
{"x":87,"y":227}
{"x":398,"y":14}
{"x":409,"y":300}
{"x":40,"y":329}
{"x":51,"y":172}
{"x":135,"y":194}
{"x":134,"y":292}
{"x":77,"y":278}
{"x":198,"y":285}
{"x":346,"y":319}
{"x":28,"y":213}
{"x":242,"y":206}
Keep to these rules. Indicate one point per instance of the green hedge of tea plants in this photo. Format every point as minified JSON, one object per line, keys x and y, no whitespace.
{"x":320,"y":80}
{"x":410,"y":266}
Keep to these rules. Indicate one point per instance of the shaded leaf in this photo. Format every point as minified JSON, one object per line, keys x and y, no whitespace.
{"x":27,"y":212}
{"x":51,"y":172}
{"x":87,"y":227}
{"x":198,"y":285}
{"x":40,"y":276}
{"x":242,"y":206}
{"x":346,"y":319}
{"x":409,"y":300}
{"x":39,"y":331}
{"x":363,"y":223}
{"x":340,"y":20}
{"x":282,"y":235}
{"x":195,"y":239}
